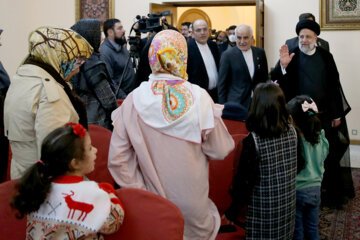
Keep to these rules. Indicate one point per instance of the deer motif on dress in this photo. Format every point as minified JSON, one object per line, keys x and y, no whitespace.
{"x":84,"y":208}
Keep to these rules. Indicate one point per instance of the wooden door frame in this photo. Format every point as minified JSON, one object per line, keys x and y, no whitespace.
{"x":259,"y":12}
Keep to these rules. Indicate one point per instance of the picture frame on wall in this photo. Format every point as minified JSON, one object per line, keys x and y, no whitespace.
{"x":340,"y":14}
{"x":98,"y":9}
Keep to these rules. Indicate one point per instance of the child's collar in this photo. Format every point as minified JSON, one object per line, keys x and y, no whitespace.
{"x":68,"y":179}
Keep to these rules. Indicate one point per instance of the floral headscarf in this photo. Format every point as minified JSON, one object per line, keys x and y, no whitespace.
{"x":168,"y":54}
{"x":168,"y":102}
{"x":59,"y":48}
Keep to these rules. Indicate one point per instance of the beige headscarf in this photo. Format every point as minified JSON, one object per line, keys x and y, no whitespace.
{"x":59,"y":48}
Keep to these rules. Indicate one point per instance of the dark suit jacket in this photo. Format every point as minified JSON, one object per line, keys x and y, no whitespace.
{"x":196,"y":68}
{"x":235,"y":83}
{"x":294,"y":42}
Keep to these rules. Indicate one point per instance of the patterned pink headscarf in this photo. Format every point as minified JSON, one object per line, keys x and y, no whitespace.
{"x":168,"y":102}
{"x":168,"y":54}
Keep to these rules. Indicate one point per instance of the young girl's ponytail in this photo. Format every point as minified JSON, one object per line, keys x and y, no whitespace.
{"x":57,"y":151}
{"x":304,"y":112}
{"x":33,"y":188}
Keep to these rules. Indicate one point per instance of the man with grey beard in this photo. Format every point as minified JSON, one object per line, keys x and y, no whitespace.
{"x":294,"y":42}
{"x":311,"y":70}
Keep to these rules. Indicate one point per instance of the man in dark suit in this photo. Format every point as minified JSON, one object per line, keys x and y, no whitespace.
{"x":294,"y":42}
{"x":241,"y":69}
{"x":203,"y":59}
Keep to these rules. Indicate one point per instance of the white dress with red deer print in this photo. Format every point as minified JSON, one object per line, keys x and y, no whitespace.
{"x":76,"y":209}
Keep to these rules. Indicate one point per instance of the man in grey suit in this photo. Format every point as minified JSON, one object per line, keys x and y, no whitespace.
{"x":294,"y":42}
{"x":241,"y":69}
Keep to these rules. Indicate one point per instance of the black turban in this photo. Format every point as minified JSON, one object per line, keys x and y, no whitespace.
{"x":309,"y":24}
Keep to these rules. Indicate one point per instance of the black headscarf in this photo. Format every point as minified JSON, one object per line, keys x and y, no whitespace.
{"x":90,"y":30}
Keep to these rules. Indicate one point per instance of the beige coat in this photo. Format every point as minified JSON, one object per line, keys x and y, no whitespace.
{"x":142,"y":157}
{"x":35,"y":105}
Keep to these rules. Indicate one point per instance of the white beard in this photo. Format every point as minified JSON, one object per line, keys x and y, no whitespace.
{"x":305,"y":49}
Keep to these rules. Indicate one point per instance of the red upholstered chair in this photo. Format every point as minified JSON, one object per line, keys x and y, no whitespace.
{"x":100,"y":138}
{"x":235,"y":127}
{"x":148,"y":216}
{"x":119,"y":101}
{"x":220,"y":179}
{"x":221,"y":175}
{"x":10,"y":227}
{"x":9,"y":164}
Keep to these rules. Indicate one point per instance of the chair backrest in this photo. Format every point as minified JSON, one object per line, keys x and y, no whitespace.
{"x":221,"y":175}
{"x":148,"y":216}
{"x":9,"y":164}
{"x":119,"y":101}
{"x":10,"y":227}
{"x":100,"y":138}
{"x":235,"y":127}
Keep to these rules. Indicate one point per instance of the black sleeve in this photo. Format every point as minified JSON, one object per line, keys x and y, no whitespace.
{"x":245,"y":178}
{"x":224,"y":78}
{"x":144,"y":69}
{"x":264,"y":70}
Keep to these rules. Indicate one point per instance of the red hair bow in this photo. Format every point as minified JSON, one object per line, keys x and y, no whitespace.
{"x":78,"y":129}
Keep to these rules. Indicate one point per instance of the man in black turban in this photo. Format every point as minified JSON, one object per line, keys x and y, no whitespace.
{"x":311,"y":70}
{"x":294,"y":42}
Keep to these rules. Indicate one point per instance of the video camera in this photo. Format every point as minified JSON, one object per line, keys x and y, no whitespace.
{"x":150,"y":23}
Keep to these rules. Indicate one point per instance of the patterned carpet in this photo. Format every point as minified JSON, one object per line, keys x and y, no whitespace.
{"x":343,"y":224}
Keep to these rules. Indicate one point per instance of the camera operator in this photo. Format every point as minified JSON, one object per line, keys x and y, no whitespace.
{"x":185,"y":29}
{"x":115,"y":55}
{"x":144,"y":68}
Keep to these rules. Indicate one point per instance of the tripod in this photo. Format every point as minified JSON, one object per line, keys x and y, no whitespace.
{"x":134,"y":59}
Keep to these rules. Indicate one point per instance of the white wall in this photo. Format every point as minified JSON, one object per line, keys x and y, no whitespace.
{"x":19,"y":17}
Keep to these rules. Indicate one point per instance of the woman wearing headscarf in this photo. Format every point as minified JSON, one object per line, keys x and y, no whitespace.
{"x":164,"y":133}
{"x":39,"y":98}
{"x":92,"y":84}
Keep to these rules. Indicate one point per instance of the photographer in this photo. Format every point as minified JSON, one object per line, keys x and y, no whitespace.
{"x":115,"y":55}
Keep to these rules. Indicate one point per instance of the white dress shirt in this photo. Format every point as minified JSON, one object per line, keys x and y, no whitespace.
{"x":210,"y":64}
{"x":248,"y":56}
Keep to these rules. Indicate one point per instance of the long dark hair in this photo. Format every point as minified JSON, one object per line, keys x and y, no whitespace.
{"x":308,"y":122}
{"x":268,"y":116}
{"x":57,"y":151}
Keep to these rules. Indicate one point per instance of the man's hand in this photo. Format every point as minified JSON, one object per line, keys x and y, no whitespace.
{"x":335,"y":122}
{"x":285,"y":58}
